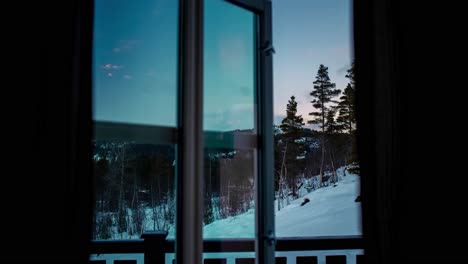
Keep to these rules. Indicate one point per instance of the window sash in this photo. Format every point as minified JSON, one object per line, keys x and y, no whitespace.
{"x":191,"y":136}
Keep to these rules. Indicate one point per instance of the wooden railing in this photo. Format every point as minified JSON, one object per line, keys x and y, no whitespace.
{"x":154,"y":248}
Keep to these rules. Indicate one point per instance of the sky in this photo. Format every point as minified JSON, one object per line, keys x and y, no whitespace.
{"x":135,"y":59}
{"x":307,"y":33}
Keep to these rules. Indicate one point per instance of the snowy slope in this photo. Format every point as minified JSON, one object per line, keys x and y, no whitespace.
{"x":330,"y":212}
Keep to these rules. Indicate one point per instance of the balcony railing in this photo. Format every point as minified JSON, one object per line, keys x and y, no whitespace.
{"x":154,"y":248}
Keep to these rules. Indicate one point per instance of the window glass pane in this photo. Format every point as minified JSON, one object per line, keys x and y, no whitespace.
{"x":228,"y":67}
{"x":229,"y":193}
{"x":134,"y":112}
{"x":316,"y":171}
{"x":134,"y":189}
{"x":229,"y":120}
{"x":135,"y":61}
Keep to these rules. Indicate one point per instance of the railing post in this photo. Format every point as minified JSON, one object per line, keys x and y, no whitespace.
{"x":154,"y":243}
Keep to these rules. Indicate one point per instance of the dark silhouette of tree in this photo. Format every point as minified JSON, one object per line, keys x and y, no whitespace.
{"x":331,"y":124}
{"x":293,"y":148}
{"x":346,"y":105}
{"x":323,"y":92}
{"x":332,"y":129}
{"x":350,"y":75}
{"x":347,"y":118}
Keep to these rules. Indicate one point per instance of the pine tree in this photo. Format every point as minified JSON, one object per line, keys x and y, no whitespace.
{"x":292,"y":124}
{"x":347,"y":118}
{"x":331,"y":129}
{"x":323,"y":92}
{"x":331,"y":124}
{"x":350,"y":75}
{"x":346,"y":105}
{"x":293,"y":147}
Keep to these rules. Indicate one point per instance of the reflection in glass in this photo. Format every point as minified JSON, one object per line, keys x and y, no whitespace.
{"x":229,"y":67}
{"x":229,"y":121}
{"x":135,"y":61}
{"x":229,"y":193}
{"x":134,"y":113}
{"x":134,"y":189}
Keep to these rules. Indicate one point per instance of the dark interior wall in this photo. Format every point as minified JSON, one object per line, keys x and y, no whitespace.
{"x":45,"y":194}
{"x":434,"y":189}
{"x":411,"y":141}
{"x":414,"y":207}
{"x":378,"y":82}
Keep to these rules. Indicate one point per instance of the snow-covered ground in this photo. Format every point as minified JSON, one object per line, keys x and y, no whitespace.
{"x":331,"y":211}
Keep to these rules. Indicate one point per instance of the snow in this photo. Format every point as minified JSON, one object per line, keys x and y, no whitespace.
{"x":239,"y":226}
{"x":330,"y":212}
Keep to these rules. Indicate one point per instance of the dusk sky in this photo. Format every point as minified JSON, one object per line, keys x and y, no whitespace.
{"x":307,"y":33}
{"x":135,"y":59}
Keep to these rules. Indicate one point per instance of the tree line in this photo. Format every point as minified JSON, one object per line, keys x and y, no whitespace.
{"x":134,"y":187}
{"x":316,"y":154}
{"x":135,"y":183}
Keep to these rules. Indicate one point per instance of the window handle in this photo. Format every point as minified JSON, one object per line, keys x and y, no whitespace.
{"x":270,"y":238}
{"x":268,"y":48}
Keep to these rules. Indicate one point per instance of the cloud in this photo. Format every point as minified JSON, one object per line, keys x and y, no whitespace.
{"x":126,"y":44}
{"x":127,"y":76}
{"x":111,"y":67}
{"x":236,"y":116}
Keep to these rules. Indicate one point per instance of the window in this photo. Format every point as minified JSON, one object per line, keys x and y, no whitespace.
{"x":183,"y":94}
{"x":148,"y":139}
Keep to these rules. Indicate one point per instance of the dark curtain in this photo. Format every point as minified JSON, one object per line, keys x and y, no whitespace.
{"x":46,"y":188}
{"x":409,"y":114}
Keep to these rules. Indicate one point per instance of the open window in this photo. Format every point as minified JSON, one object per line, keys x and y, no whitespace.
{"x":186,"y":149}
{"x":182,"y":113}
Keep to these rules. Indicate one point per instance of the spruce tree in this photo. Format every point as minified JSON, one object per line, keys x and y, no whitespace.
{"x":346,"y":105}
{"x":332,"y":128}
{"x":293,"y":148}
{"x":331,"y":124}
{"x":347,"y":117}
{"x":323,"y":92}
{"x":350,"y":75}
{"x":292,"y":123}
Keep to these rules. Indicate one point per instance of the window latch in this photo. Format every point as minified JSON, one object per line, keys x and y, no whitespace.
{"x":270,"y":238}
{"x":268,"y":48}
